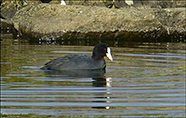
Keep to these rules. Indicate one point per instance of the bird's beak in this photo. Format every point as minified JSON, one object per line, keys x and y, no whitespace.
{"x":109,"y":54}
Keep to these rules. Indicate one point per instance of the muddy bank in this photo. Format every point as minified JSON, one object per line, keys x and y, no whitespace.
{"x":56,"y":21}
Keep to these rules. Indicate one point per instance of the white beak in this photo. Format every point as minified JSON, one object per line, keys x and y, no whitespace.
{"x":109,"y":54}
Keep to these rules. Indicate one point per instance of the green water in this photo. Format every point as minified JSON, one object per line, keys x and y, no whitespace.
{"x":144,"y":80}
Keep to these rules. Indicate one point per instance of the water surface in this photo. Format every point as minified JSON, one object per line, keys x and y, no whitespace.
{"x":144,"y":80}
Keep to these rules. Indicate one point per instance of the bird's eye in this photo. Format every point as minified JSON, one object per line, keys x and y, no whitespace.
{"x":104,"y":49}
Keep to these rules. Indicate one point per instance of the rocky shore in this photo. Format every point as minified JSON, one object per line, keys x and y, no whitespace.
{"x":55,"y":21}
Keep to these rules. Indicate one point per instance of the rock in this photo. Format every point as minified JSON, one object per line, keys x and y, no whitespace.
{"x":8,"y":11}
{"x":173,"y":19}
{"x":159,"y":3}
{"x":10,"y":7}
{"x":84,"y":19}
{"x":75,"y":21}
{"x":6,"y":28}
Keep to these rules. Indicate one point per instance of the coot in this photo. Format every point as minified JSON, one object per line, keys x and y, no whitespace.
{"x":82,"y":62}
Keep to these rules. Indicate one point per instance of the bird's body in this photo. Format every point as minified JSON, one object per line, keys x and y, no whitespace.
{"x":73,"y":62}
{"x":81,"y":62}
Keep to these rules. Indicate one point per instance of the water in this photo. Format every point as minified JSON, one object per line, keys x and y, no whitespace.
{"x":144,"y":80}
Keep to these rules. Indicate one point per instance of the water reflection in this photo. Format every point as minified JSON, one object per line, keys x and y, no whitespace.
{"x":98,"y":80}
{"x":148,"y":79}
{"x":78,"y":73}
{"x":104,"y":83}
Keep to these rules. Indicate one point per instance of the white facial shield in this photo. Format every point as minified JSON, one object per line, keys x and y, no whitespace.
{"x":109,"y":54}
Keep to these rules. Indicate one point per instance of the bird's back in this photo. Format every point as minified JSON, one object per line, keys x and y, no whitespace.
{"x":72,"y":62}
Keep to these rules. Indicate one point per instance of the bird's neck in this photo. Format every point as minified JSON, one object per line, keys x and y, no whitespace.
{"x":96,"y":57}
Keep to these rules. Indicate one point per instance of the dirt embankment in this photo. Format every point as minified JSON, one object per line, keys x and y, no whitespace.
{"x":76,"y":21}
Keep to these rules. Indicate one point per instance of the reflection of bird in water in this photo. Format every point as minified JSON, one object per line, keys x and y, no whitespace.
{"x":77,"y":73}
{"x":102,"y":82}
{"x":102,"y":85}
{"x":102,"y":97}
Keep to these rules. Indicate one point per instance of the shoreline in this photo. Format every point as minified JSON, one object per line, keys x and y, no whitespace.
{"x":76,"y":21}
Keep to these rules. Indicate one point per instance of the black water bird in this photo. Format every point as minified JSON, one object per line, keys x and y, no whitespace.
{"x":82,"y":62}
